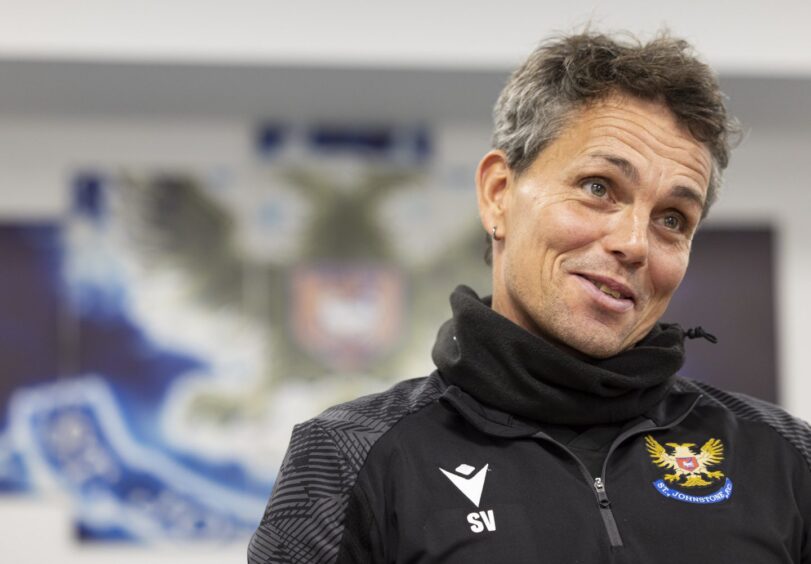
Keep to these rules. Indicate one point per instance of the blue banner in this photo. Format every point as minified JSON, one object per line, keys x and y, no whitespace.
{"x":722,"y":494}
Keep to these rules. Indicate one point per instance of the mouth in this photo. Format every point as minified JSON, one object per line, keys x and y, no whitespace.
{"x":609,"y":292}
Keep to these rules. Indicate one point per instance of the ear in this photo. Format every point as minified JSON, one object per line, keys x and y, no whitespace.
{"x":493,"y":181}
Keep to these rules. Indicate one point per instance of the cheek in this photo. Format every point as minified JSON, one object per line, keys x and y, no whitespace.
{"x":567,"y":227}
{"x":668,"y":272}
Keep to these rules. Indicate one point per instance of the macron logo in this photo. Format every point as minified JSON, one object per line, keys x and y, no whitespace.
{"x":470,"y":486}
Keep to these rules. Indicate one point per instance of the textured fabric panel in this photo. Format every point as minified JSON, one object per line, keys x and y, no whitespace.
{"x":300,"y":523}
{"x":795,"y":431}
{"x":304,"y":519}
{"x":356,"y":425}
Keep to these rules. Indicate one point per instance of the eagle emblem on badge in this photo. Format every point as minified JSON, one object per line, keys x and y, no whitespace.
{"x":690,"y":468}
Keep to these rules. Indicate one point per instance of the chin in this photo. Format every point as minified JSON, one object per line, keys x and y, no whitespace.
{"x":602,"y":351}
{"x":594,"y":345}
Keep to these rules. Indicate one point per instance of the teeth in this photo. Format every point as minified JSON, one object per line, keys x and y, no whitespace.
{"x":606,"y":290}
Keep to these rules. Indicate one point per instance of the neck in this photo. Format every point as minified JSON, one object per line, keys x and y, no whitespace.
{"x":505,"y":308}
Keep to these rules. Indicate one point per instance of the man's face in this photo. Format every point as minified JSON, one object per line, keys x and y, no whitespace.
{"x":594,"y":237}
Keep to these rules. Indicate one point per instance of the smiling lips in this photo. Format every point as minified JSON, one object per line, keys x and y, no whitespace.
{"x":609,"y":293}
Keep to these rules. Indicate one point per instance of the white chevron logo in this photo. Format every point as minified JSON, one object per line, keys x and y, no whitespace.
{"x":472,"y":487}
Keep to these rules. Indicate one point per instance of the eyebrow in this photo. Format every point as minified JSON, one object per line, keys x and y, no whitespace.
{"x":629,"y":171}
{"x":623,"y":165}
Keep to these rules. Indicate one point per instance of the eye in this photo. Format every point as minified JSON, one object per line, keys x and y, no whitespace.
{"x":674,"y":222}
{"x":595,"y":187}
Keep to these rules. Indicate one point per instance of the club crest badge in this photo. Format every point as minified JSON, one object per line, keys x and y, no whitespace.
{"x":690,"y":469}
{"x":347,"y":315}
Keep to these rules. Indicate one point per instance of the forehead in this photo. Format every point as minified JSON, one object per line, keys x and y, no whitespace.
{"x":640,"y":131}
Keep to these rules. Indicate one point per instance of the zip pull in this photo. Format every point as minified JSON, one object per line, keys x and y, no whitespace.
{"x":605,"y":512}
{"x":602,"y":497}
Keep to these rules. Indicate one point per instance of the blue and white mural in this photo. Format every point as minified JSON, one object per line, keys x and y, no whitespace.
{"x":161,"y":341}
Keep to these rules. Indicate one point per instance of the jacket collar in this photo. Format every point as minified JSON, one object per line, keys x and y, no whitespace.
{"x":510,"y":369}
{"x":490,"y":421}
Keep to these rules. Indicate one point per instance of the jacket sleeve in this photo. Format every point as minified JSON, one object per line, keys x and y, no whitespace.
{"x":304,"y":519}
{"x":806,"y":502}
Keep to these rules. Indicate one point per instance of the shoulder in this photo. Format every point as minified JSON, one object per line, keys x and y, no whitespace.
{"x":384,"y":408}
{"x":305,"y":518}
{"x":746,"y":408}
{"x":353,"y":427}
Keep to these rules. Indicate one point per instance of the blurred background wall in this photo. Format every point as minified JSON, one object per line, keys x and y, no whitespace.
{"x":108,"y":107}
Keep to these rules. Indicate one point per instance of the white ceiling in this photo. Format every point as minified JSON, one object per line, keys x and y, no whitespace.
{"x":742,"y":37}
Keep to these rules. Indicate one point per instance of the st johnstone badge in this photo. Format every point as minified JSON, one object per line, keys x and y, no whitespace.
{"x":689,"y":469}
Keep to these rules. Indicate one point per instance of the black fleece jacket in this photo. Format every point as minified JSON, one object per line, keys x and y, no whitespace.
{"x":436,"y":470}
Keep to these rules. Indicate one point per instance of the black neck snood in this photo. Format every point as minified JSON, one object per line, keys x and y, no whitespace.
{"x":504,"y":366}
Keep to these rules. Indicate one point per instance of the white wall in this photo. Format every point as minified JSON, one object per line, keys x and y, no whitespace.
{"x":765,"y":184}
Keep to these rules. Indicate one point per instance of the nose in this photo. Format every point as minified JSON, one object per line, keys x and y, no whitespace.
{"x":627,"y":238}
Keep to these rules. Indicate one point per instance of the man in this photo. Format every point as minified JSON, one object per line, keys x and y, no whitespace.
{"x":555,"y":429}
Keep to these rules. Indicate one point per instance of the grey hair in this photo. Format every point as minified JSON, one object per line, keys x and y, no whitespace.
{"x":569,"y":73}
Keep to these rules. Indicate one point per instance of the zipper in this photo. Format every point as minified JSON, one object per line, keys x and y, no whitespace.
{"x":597,"y":484}
{"x":608,"y":516}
